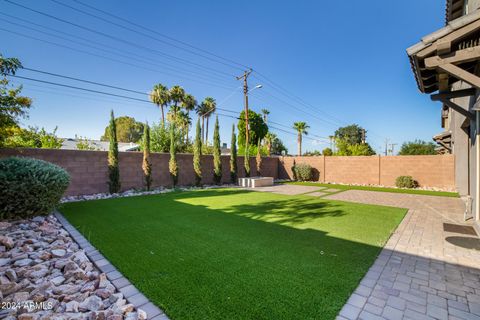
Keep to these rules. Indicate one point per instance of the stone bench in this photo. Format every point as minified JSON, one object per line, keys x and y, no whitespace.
{"x":255,"y":182}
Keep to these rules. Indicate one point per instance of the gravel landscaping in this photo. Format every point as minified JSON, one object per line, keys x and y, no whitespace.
{"x":45,"y":275}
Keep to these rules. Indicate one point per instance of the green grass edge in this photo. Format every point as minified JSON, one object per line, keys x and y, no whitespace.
{"x":379,"y":189}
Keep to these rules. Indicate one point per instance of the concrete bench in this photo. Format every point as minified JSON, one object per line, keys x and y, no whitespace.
{"x":255,"y":182}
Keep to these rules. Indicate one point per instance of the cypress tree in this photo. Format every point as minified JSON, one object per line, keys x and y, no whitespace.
{"x":197,"y":155}
{"x":146,"y":165}
{"x":217,"y":161}
{"x":172,"y":164}
{"x":113,"y":170}
{"x":233,"y":157}
{"x":259,"y":159}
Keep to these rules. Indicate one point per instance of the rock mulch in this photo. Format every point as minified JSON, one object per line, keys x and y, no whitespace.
{"x":45,"y":275}
{"x":135,"y":192}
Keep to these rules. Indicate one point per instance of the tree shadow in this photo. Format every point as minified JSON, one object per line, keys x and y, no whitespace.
{"x":294,"y":210}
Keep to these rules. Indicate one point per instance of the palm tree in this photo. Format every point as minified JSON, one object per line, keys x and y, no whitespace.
{"x":161,"y":97}
{"x":265,"y":114}
{"x":184,"y":121}
{"x":301,"y":128}
{"x":202,"y":110}
{"x":211,"y":106}
{"x":188,"y":103}
{"x":269,"y":137}
{"x":177,"y":95}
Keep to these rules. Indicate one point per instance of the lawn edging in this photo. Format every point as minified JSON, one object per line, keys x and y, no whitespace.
{"x":122,"y":284}
{"x":345,"y":187}
{"x":354,"y":307}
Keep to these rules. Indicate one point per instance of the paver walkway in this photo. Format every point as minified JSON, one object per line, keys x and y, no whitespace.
{"x":429,"y":268}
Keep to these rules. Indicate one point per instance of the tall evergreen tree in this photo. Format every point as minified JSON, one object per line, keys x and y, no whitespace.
{"x":246,"y":160}
{"x":146,"y":165}
{"x":258,"y":160}
{"x":113,"y":170}
{"x":217,"y":160}
{"x":197,"y":155}
{"x":172,"y":164}
{"x":233,"y":157}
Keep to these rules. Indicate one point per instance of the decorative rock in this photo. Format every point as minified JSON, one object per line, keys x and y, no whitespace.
{"x":6,"y":241}
{"x":127,"y":308}
{"x":11,"y":275}
{"x":59,"y":252}
{"x":103,"y":293}
{"x":22,"y":262}
{"x":92,"y":303}
{"x":4,"y":225}
{"x":29,"y":316}
{"x":72,"y":306}
{"x":20,"y":296}
{"x":39,"y":262}
{"x":58,"y":280}
{"x":103,"y":280}
{"x":4,"y":261}
{"x":141,"y":315}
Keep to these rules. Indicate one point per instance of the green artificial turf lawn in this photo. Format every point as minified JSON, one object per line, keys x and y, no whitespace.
{"x":236,"y":254}
{"x":380,"y":189}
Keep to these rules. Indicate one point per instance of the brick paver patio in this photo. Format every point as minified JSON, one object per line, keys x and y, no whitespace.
{"x":424,"y":271}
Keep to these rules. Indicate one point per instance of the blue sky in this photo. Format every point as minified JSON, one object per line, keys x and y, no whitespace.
{"x":345,"y":60}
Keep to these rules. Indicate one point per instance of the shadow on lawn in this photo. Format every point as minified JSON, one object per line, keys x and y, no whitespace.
{"x":291,"y":210}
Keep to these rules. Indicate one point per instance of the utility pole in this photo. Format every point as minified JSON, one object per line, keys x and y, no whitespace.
{"x":245,"y":95}
{"x":364,"y":138}
{"x":386,"y":146}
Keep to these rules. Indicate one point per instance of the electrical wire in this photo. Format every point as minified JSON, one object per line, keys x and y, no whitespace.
{"x":137,"y":32}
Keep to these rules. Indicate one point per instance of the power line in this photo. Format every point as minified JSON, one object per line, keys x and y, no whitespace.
{"x":294,"y":97}
{"x":100,"y":46}
{"x":79,"y":88}
{"x":116,"y":52}
{"x":136,"y":45}
{"x":161,"y":34}
{"x":136,"y":31}
{"x":110,"y":59}
{"x":85,"y":81}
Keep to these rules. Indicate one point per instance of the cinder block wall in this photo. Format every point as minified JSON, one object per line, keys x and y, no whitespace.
{"x":89,"y":172}
{"x":437,"y":171}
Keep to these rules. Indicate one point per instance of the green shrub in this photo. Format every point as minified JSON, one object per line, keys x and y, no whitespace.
{"x":303,"y":172}
{"x":30,"y":187}
{"x":406,"y":182}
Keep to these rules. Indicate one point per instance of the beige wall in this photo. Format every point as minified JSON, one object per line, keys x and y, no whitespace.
{"x":88,"y":169}
{"x":430,"y":171}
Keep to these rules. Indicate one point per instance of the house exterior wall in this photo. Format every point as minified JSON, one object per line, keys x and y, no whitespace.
{"x":461,"y":142}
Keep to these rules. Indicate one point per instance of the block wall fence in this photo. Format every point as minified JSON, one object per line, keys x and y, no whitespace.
{"x":436,"y":171}
{"x":88,"y":169}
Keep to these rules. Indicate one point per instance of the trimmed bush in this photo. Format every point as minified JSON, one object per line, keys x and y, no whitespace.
{"x":406,"y":182}
{"x":30,"y":187}
{"x":303,"y":172}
